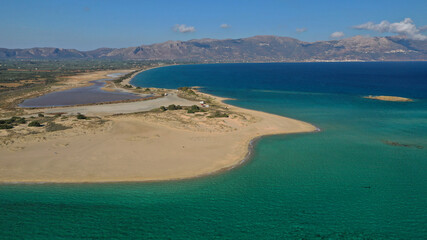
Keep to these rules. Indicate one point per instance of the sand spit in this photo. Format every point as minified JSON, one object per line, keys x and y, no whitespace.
{"x":389,"y":98}
{"x":138,"y":144}
{"x":141,"y":147}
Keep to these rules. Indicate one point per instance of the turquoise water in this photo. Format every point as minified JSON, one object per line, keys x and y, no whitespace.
{"x":344,"y":182}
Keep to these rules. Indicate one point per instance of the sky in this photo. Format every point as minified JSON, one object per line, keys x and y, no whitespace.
{"x":91,"y":24}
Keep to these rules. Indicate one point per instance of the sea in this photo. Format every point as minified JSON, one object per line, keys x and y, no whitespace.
{"x":363,"y":176}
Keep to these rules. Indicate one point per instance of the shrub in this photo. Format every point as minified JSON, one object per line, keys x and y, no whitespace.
{"x":34,"y":124}
{"x":187,"y":90}
{"x":138,"y":88}
{"x":51,"y":127}
{"x":21,"y":121}
{"x":13,"y":120}
{"x":40,"y":115}
{"x":219,"y":114}
{"x":5,"y":126}
{"x":147,"y":90}
{"x":174,"y":107}
{"x":194,"y":109}
{"x":128,"y":86}
{"x":81,"y":116}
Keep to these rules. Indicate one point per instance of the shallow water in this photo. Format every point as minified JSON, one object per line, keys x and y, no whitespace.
{"x":83,"y":95}
{"x":344,"y":182}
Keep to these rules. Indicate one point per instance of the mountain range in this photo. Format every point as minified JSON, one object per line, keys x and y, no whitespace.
{"x":252,"y":49}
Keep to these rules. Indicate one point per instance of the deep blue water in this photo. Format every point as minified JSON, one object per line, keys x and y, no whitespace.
{"x":395,"y":79}
{"x":344,"y":182}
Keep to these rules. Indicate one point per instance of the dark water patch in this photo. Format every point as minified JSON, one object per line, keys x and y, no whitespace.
{"x":84,"y":95}
{"x":398,"y":144}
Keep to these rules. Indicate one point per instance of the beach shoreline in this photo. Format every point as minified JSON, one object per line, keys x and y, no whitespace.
{"x":144,"y":147}
{"x":129,"y":79}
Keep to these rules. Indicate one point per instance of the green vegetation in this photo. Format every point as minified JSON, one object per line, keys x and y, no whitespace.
{"x":5,"y":126}
{"x":40,"y":115}
{"x":81,"y":116}
{"x":127,"y":86}
{"x":128,"y":75}
{"x":18,"y":120}
{"x":194,"y":109}
{"x":218,"y":114}
{"x":52,"y":127}
{"x":187,"y":90}
{"x":174,"y":107}
{"x":170,"y":107}
{"x":34,"y":124}
{"x":11,"y":122}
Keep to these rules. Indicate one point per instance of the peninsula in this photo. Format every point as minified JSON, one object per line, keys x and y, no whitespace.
{"x":180,"y":134}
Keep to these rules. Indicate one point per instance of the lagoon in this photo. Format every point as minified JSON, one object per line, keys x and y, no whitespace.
{"x":83,"y":95}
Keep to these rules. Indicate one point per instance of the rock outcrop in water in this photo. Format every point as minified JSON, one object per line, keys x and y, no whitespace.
{"x":253,"y":49}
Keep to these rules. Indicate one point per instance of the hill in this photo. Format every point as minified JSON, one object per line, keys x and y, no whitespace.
{"x":252,"y":49}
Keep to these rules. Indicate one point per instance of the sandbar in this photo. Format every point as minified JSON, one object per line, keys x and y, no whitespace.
{"x":389,"y":98}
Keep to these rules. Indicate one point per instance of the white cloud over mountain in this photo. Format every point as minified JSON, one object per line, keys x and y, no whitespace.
{"x":182,"y":28}
{"x":337,"y":35}
{"x":405,"y":28}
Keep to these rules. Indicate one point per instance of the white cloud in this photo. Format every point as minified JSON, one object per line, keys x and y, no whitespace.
{"x":182,"y":28}
{"x":337,"y":35}
{"x":405,"y":28}
{"x":301,"y":30}
{"x":225,"y":25}
{"x":423,"y":28}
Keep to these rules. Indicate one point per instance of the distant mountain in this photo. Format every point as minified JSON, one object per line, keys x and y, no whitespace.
{"x":253,"y":49}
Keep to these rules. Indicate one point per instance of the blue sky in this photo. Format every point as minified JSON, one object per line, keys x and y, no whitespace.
{"x":91,"y":24}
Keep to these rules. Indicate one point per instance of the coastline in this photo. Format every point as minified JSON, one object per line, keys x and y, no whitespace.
{"x":129,"y":79}
{"x":143,"y":147}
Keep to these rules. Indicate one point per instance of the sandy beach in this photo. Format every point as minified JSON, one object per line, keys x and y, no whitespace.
{"x":141,"y":145}
{"x":389,"y":98}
